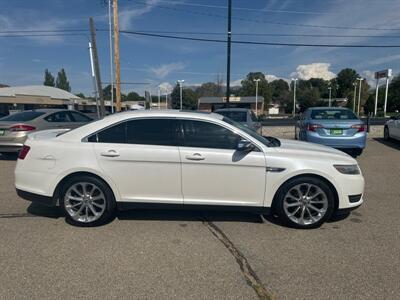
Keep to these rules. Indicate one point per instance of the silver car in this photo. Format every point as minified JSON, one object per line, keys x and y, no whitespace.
{"x":241,"y":115}
{"x":15,"y":127}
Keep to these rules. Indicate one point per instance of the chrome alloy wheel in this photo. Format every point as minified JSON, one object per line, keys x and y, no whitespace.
{"x":305,"y":204}
{"x":85,"y":202}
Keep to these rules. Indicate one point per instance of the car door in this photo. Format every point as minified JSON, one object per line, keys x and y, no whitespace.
{"x":60,"y":119}
{"x":213,"y":172}
{"x":141,"y":157}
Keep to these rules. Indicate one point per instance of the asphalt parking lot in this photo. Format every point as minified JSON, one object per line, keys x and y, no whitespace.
{"x":202,"y":255}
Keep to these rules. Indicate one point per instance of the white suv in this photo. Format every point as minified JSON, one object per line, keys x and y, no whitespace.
{"x":188,"y":160}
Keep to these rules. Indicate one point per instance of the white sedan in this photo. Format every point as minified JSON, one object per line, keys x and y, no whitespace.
{"x":392,"y":128}
{"x":146,"y":159}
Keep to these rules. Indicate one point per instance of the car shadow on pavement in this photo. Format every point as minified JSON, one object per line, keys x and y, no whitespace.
{"x":45,"y":211}
{"x":188,"y":215}
{"x":391,"y":143}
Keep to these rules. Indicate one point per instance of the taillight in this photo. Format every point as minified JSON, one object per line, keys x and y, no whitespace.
{"x":359,"y":127}
{"x":313,"y":127}
{"x":24,"y":152}
{"x":22,"y":127}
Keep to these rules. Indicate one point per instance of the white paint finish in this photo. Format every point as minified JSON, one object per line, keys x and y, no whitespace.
{"x":142,"y":173}
{"x":156,"y":174}
{"x":223,"y":177}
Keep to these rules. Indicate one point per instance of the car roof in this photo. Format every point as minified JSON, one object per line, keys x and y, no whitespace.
{"x":165,"y":113}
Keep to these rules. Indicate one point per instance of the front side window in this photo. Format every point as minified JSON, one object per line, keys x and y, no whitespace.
{"x":142,"y":131}
{"x":201,"y":134}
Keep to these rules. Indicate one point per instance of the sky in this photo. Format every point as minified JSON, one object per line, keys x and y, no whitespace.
{"x":159,"y":61}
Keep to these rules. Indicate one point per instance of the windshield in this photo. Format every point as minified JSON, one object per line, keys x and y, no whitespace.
{"x":265,"y":140}
{"x":238,"y":116}
{"x":333,"y":114}
{"x":23,"y":116}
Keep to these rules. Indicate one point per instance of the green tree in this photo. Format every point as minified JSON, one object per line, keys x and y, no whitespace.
{"x":48,"y":78}
{"x":62,"y":81}
{"x":81,"y":95}
{"x":189,"y":98}
{"x":345,"y":79}
{"x":133,"y":96}
{"x":208,"y":89}
{"x":249,"y":87}
{"x":107,"y":92}
{"x":394,"y":95}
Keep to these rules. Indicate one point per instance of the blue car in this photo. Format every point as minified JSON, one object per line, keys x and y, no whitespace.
{"x":332,"y":126}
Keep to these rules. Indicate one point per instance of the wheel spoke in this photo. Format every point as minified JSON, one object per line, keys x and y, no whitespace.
{"x":77,"y":192}
{"x":292,"y":204}
{"x":80,"y":199}
{"x":295,"y":212}
{"x":315,"y":209}
{"x":93,"y":210}
{"x":98,"y":205}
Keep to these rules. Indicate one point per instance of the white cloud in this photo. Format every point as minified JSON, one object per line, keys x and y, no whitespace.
{"x":237,"y":82}
{"x":164,"y":70}
{"x":369,"y":76}
{"x":314,"y":70}
{"x":166,"y":87}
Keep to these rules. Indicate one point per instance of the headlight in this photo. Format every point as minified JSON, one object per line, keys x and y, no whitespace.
{"x":348,"y":169}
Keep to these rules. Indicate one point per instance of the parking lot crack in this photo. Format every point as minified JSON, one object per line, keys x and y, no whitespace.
{"x":247,"y":271}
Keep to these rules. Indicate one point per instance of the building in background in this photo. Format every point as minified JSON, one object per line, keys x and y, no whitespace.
{"x":213,"y":103}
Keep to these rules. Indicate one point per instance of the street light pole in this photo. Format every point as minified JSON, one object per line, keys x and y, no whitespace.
{"x":294,"y":96}
{"x":111,"y":57}
{"x":354,"y":96}
{"x":359,"y":96}
{"x":180,"y":91}
{"x":257,"y":81}
{"x":159,"y":98}
{"x":330,"y":95}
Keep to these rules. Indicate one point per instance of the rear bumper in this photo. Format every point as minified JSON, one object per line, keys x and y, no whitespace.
{"x":356,"y":141}
{"x":36,"y":198}
{"x":10,"y":147}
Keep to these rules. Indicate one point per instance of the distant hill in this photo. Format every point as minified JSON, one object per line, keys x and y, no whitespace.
{"x":3,"y":85}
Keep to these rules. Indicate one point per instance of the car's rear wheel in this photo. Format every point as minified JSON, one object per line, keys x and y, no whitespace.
{"x":304,"y":202}
{"x":87,"y":201}
{"x":386,"y":133}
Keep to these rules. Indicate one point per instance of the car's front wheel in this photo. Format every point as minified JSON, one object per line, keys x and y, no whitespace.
{"x":304,"y":202}
{"x":87,"y":201}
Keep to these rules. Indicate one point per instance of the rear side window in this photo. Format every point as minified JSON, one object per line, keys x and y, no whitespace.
{"x":201,"y":134}
{"x":333,"y":114}
{"x":59,"y":117}
{"x":23,"y":116}
{"x":78,"y":117}
{"x":143,"y":131}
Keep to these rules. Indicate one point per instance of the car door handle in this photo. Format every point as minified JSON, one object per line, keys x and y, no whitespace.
{"x":110,"y":153}
{"x":196,"y":156}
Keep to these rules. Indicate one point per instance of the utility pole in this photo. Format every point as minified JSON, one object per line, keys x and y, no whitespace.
{"x":359,"y":96}
{"x":376,"y":97}
{"x":228,"y":65}
{"x":159,"y":98}
{"x":96,"y":66}
{"x":330,"y":95}
{"x":386,"y":96}
{"x":116,"y":58}
{"x":180,"y":91}
{"x":294,"y":96}
{"x":354,"y":96}
{"x":257,"y":81}
{"x":111,"y":56}
{"x":94,"y":80}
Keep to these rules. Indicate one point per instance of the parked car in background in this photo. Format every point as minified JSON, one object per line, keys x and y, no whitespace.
{"x":242,"y":115}
{"x":188,"y":160}
{"x":392,"y":128}
{"x":332,"y":126}
{"x":14,"y":128}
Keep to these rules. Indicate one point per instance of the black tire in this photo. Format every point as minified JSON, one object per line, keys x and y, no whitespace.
{"x":357,"y":152}
{"x":278,"y":205}
{"x":109,"y":200}
{"x":386,"y":133}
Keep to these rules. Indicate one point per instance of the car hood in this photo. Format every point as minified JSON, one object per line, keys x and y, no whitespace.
{"x":315,"y":150}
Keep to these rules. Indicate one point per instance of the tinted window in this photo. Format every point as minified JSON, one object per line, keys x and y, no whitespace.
{"x":238,"y":116}
{"x":77,"y":117}
{"x":253,"y":117}
{"x":207,"y":135}
{"x":23,"y":116}
{"x":151,"y":132}
{"x":332,"y":114}
{"x":115,"y":134}
{"x":59,"y":117}
{"x":145,"y":132}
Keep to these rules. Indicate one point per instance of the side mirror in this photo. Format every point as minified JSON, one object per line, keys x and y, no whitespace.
{"x":245,"y":146}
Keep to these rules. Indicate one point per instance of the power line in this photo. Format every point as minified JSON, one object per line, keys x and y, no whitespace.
{"x":241,"y":8}
{"x":259,"y":43}
{"x":267,"y":22}
{"x":268,"y":34}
